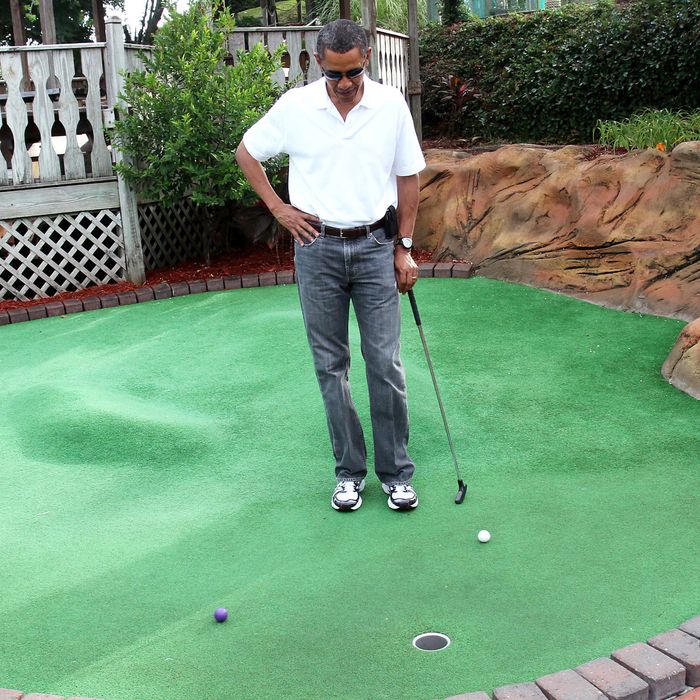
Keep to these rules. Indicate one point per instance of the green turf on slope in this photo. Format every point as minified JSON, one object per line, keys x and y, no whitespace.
{"x":165,"y":459}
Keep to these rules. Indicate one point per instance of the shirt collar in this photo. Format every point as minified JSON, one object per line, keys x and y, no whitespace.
{"x":321,"y":100}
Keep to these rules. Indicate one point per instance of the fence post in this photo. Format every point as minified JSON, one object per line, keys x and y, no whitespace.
{"x":414,"y":84}
{"x":115,"y":64}
{"x":369,"y":22}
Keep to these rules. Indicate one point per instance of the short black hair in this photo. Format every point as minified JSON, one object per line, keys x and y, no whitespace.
{"x":341,"y":36}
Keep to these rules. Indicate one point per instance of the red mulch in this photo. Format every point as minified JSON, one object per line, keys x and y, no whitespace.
{"x":251,"y":260}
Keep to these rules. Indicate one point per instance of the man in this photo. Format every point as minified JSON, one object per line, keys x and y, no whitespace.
{"x":353,"y":153}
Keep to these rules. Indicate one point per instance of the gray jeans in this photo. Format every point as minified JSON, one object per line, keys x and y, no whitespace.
{"x":331,"y":272}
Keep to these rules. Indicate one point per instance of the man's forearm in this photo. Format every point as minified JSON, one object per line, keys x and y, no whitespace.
{"x":408,"y":195}
{"x":257,"y":177}
{"x":297,"y":222}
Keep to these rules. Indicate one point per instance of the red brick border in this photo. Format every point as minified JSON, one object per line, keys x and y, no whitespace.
{"x":664,"y":667}
{"x":165,"y":290}
{"x":161,"y":290}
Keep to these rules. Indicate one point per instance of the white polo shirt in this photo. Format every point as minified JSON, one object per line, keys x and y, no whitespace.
{"x":344,"y":172}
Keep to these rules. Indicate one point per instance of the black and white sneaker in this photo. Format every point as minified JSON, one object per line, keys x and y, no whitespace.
{"x":347,"y":494}
{"x":401,"y":496}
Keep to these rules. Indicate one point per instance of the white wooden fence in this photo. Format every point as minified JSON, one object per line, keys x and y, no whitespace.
{"x":64,"y":114}
{"x":298,"y":58}
{"x":392,"y":59}
{"x":66,"y":220}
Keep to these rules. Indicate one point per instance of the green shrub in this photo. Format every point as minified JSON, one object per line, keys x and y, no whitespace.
{"x":454,"y":11}
{"x":551,"y":76}
{"x":661,"y":129}
{"x":188,"y":111}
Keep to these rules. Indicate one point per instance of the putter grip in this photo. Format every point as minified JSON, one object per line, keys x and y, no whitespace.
{"x":414,"y":306}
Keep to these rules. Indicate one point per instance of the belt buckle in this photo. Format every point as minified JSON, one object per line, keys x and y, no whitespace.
{"x":340,"y":234}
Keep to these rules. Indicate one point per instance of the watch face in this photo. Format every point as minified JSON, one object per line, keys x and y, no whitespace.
{"x":407,"y":243}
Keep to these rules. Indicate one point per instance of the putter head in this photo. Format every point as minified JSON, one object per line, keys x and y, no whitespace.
{"x":459,"y":498}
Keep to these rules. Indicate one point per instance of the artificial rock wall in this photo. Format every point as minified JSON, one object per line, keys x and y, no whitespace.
{"x":617,"y":230}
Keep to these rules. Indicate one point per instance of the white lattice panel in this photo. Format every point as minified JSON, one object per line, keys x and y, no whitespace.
{"x":46,"y":255}
{"x":169,"y":235}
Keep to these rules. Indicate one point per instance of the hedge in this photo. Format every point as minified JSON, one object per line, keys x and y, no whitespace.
{"x":548,"y":77}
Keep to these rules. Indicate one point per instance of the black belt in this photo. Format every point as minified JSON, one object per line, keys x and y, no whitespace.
{"x":355,"y":232}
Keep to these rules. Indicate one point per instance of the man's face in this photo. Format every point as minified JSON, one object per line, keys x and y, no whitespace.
{"x":345,"y":88}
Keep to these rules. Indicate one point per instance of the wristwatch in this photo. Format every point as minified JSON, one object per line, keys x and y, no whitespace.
{"x":406,"y":243}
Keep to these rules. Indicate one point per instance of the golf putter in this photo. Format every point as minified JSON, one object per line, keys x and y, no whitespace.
{"x":462,"y":492}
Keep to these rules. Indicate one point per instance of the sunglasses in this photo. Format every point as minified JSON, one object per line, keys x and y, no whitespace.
{"x":335,"y":75}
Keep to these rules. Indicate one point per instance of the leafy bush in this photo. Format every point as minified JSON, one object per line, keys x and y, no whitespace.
{"x":551,"y":76}
{"x":188,"y":111}
{"x":660,"y":129}
{"x":454,"y":11}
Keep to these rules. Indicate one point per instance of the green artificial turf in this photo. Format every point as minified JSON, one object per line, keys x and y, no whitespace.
{"x":161,"y":460}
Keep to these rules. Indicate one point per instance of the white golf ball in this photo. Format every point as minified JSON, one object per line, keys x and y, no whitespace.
{"x":483,"y":536}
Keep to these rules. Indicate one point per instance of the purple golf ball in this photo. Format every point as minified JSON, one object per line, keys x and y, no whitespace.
{"x":220,"y":614}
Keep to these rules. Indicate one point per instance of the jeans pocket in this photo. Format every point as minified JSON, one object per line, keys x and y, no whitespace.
{"x":308,"y":244}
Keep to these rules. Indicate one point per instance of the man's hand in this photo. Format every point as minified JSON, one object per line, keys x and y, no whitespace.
{"x":296,"y":222}
{"x":406,"y":269}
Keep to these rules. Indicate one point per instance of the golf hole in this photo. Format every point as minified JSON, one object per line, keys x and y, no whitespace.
{"x":431,"y":641}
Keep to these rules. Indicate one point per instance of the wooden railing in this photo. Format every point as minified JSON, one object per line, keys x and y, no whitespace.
{"x":392,"y":59}
{"x":300,"y":65}
{"x":54,"y":129}
{"x":66,"y":219}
